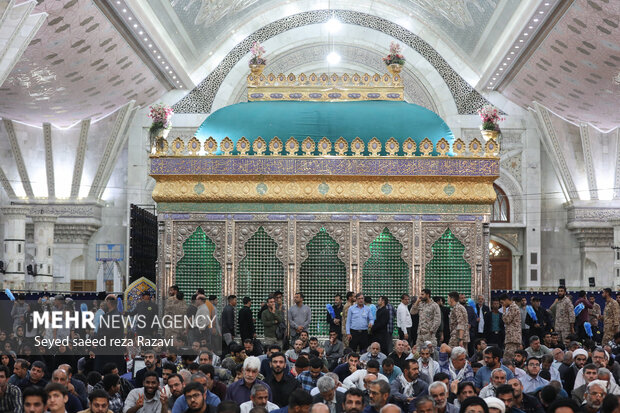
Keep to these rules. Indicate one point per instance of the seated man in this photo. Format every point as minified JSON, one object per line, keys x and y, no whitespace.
{"x":56,"y":397}
{"x":408,"y":386}
{"x":389,"y":370}
{"x":357,"y":378}
{"x":329,"y":395}
{"x":453,"y":362}
{"x":10,"y":395}
{"x":373,"y":353}
{"x":240,"y":390}
{"x":99,"y":402}
{"x":498,"y":377}
{"x":146,"y":398}
{"x":34,"y":400}
{"x":195,"y":396}
{"x":379,"y":392}
{"x":259,"y":397}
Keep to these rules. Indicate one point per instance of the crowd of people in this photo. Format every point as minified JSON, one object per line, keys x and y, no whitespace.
{"x":457,"y":356}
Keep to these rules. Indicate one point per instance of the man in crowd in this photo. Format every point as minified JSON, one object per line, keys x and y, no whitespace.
{"x":35,"y":378}
{"x":73,"y":404}
{"x":379,"y":332}
{"x":493,"y":325}
{"x":512,"y":325}
{"x":439,"y":392}
{"x":345,"y":312}
{"x":20,"y":371}
{"x":359,"y":320}
{"x":335,"y":321}
{"x":400,"y":354}
{"x":599,"y":359}
{"x":408,"y":385}
{"x":453,"y":362}
{"x":357,"y":378}
{"x":56,"y":398}
{"x":206,"y":382}
{"x":540,"y":323}
{"x":150,"y":363}
{"x":403,"y":319}
{"x":373,"y":353}
{"x":564,"y":314}
{"x":329,"y":395}
{"x":228,"y":322}
{"x":196,"y":402}
{"x":272,"y":318}
{"x":309,"y":378}
{"x":459,"y":327}
{"x":430,"y":318}
{"x":350,"y":366}
{"x":536,"y":349}
{"x":299,"y":316}
{"x":594,"y":396}
{"x":10,"y":395}
{"x":334,"y":349}
{"x":246,"y":320}
{"x":34,"y":400}
{"x":533,"y":381}
{"x":281,"y":382}
{"x":524,"y":401}
{"x":175,"y":307}
{"x":589,"y":375}
{"x":147,"y":398}
{"x":498,"y":377}
{"x":259,"y":397}
{"x":492,"y":356}
{"x":583,"y":315}
{"x":239,"y":391}
{"x":611,"y":316}
{"x":99,"y":402}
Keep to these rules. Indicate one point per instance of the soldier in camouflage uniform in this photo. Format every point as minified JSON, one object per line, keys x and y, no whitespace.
{"x":512,"y":326}
{"x":459,"y":328}
{"x":564,"y":315}
{"x":430,"y":318}
{"x":175,"y":306}
{"x":611,"y":317}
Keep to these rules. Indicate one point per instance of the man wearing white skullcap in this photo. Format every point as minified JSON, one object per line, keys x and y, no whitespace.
{"x":495,"y":405}
{"x":599,"y":358}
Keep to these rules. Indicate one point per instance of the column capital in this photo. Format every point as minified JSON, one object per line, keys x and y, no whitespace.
{"x":43,"y":218}
{"x":15,"y":211}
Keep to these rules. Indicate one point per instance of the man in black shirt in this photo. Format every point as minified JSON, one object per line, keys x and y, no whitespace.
{"x":523,"y":401}
{"x":246,"y":321}
{"x":335,"y":323}
{"x":146,"y":310}
{"x":228,"y":323}
{"x":150,"y":361}
{"x":281,"y":382}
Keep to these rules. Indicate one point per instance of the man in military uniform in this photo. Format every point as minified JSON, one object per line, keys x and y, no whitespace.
{"x":430,"y":318}
{"x":512,"y":326}
{"x":611,"y":317}
{"x":564,"y":315}
{"x":459,"y":328}
{"x":175,"y":307}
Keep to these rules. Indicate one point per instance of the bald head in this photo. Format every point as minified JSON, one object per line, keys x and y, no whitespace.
{"x":319,"y":408}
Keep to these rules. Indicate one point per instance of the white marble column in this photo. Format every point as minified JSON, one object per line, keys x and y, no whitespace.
{"x":14,"y":247}
{"x":44,"y":253}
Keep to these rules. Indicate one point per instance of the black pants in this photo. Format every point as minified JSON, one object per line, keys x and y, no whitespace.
{"x":359,"y":338}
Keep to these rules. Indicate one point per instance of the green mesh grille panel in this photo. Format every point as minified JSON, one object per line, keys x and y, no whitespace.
{"x":198,"y":268}
{"x":321,"y":276}
{"x":385,"y":272}
{"x":260,"y":272}
{"x":447,"y":270}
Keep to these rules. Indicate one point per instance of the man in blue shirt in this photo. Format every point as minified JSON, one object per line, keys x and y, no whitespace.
{"x":239,"y":391}
{"x":492,"y":356}
{"x":205,"y":380}
{"x":533,"y":381}
{"x":359,"y":320}
{"x":309,"y":378}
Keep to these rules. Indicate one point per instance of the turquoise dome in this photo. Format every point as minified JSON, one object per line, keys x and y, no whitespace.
{"x":380,"y":119}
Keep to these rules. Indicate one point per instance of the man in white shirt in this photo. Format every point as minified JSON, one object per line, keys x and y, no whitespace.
{"x":259,"y":397}
{"x":403,"y":318}
{"x":428,"y":366}
{"x":356,"y":379}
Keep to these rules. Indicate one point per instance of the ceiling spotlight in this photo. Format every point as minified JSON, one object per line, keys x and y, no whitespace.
{"x":333,"y":25}
{"x":333,"y":58}
{"x":535,"y":20}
